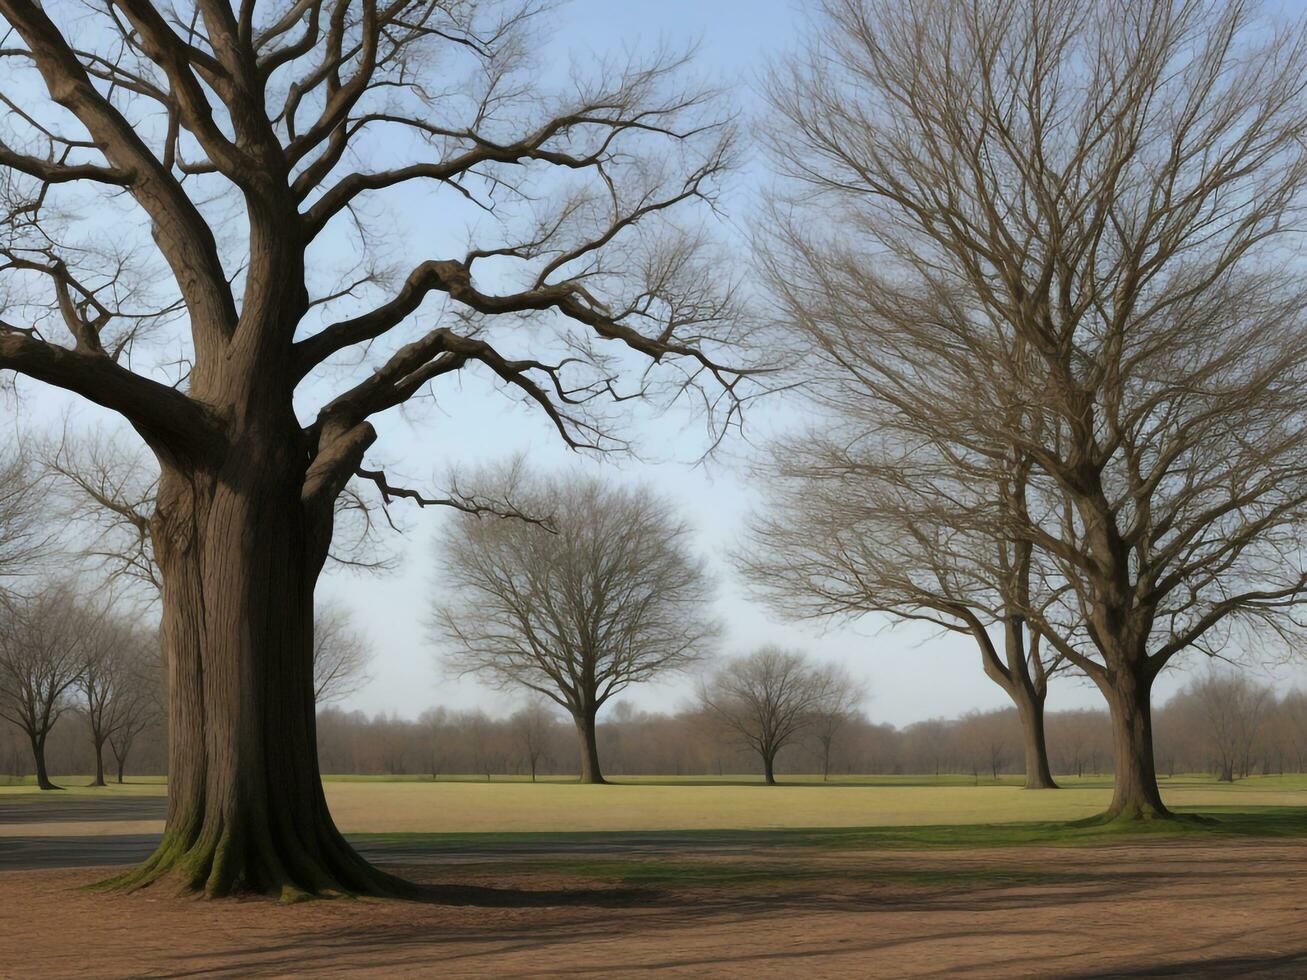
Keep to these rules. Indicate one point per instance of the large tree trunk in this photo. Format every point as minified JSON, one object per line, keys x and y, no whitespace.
{"x":1031,"y":711}
{"x":246,"y":810}
{"x":585,"y":730}
{"x":122,"y":764}
{"x":769,"y":769}
{"x":1135,"y":794}
{"x":38,"y":756}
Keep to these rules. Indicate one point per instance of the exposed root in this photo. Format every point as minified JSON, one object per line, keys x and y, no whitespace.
{"x":233,"y":865}
{"x":1143,"y":814}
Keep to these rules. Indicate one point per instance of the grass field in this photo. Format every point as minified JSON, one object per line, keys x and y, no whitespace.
{"x":856,"y":877}
{"x":451,"y":806}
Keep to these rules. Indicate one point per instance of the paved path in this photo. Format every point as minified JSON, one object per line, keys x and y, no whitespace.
{"x":36,"y":851}
{"x":55,"y":806}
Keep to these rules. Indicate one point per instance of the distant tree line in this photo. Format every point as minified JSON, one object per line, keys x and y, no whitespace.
{"x":1253,"y":733}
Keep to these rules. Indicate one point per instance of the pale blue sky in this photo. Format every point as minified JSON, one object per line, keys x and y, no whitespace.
{"x":912,"y":673}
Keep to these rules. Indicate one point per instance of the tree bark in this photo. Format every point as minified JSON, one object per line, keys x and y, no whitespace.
{"x":585,"y":730}
{"x":769,"y":769}
{"x":38,"y":756}
{"x":1135,"y":795}
{"x":99,"y":763}
{"x":121,"y":766}
{"x":246,"y":810}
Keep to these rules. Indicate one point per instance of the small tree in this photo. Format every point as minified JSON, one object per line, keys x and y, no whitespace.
{"x":843,"y":696}
{"x":768,"y":699}
{"x":875,"y":514}
{"x":1233,"y":708}
{"x":42,"y":656}
{"x":140,"y":704}
{"x":434,"y":724}
{"x":610,"y":595}
{"x":532,"y":727}
{"x":106,"y":678}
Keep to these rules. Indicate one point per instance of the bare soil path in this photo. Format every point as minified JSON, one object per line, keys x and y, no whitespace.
{"x":1229,"y":907}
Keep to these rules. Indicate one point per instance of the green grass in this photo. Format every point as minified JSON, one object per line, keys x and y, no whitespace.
{"x":1279,"y":822}
{"x":17,"y":788}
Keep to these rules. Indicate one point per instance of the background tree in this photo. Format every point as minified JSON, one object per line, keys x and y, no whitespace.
{"x":107,"y":488}
{"x":1089,"y":212}
{"x":842,"y":698}
{"x":24,"y":537}
{"x":878,"y":511}
{"x":42,"y":655}
{"x":1233,"y":709}
{"x":533,"y":726}
{"x":610,"y":595}
{"x":340,"y":656}
{"x":768,"y":699}
{"x":245,"y":144}
{"x":139,"y":705}
{"x":107,"y":675}
{"x":434,"y":725}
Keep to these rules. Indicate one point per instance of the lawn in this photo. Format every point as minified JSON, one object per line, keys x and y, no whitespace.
{"x":378,"y":806}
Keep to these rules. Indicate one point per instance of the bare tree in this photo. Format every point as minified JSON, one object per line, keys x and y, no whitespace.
{"x":119,"y":481}
{"x":842,"y":698}
{"x":871,"y":514}
{"x":434,"y":725}
{"x":243,"y":144}
{"x":1233,"y":708}
{"x":768,"y":699}
{"x":611,"y":595}
{"x":139,"y":704}
{"x":1067,"y":230}
{"x":106,"y":676}
{"x":42,"y":655}
{"x":24,"y":537}
{"x":340,"y":657}
{"x":532,"y":726}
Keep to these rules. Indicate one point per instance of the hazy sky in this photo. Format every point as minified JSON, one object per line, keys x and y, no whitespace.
{"x":912,"y":672}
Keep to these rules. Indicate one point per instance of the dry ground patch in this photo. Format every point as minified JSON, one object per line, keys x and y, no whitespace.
{"x":1232,"y":907}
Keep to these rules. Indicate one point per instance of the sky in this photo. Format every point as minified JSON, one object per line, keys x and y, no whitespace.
{"x":912,"y":672}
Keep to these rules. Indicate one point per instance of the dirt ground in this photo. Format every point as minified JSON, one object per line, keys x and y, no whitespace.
{"x":1160,"y":908}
